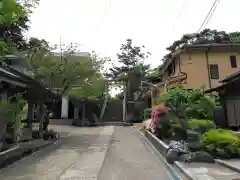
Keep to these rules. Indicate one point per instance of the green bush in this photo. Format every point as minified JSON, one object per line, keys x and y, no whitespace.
{"x":147,"y":114}
{"x":172,"y":127}
{"x":201,"y":125}
{"x":11,"y":108}
{"x":194,"y":103}
{"x":221,"y":143}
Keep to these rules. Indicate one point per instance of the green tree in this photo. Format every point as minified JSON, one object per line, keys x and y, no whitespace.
{"x":129,"y":67}
{"x":131,"y":57}
{"x":204,"y":37}
{"x":80,"y":76}
{"x":10,"y":13}
{"x":94,"y":89}
{"x":193,"y":103}
{"x":235,"y":37}
{"x":14,"y":19}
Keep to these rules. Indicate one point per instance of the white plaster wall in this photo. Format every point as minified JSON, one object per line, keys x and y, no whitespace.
{"x":64,"y":110}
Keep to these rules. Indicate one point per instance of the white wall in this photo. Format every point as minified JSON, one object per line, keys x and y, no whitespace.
{"x":64,"y":110}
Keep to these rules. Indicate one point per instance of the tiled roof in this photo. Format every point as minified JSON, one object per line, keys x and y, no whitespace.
{"x":231,"y":77}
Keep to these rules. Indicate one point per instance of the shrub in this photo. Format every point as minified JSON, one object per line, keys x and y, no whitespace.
{"x":201,"y":105}
{"x":201,"y":125}
{"x":192,"y":103}
{"x":221,"y":143}
{"x":166,"y":123}
{"x":147,"y":114}
{"x":176,"y":99}
{"x":171,"y":127}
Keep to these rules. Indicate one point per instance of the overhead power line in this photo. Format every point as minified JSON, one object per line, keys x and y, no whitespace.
{"x":179,"y":14}
{"x":181,"y":10}
{"x":209,"y":15}
{"x":104,"y":14}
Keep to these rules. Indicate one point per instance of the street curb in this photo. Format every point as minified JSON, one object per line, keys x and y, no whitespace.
{"x":18,"y":153}
{"x":164,"y":146}
{"x":158,"y":144}
{"x":115,"y":124}
{"x":223,"y":163}
{"x":185,"y":171}
{"x":173,"y":174}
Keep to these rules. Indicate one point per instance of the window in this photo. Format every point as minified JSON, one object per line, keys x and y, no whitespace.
{"x":174,"y":66}
{"x":170,"y":70}
{"x":214,"y":73}
{"x":233,"y":61}
{"x":177,"y":69}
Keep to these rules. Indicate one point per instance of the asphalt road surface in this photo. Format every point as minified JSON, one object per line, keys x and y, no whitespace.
{"x":98,"y":153}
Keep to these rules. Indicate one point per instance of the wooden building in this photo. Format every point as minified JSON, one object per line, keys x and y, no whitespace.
{"x":13,"y":82}
{"x":229,"y":93}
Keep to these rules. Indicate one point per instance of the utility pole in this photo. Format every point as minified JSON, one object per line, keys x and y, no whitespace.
{"x":124,"y":102}
{"x":104,"y":104}
{"x":61,"y":53}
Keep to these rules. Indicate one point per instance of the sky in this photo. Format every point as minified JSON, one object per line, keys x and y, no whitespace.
{"x":153,"y":23}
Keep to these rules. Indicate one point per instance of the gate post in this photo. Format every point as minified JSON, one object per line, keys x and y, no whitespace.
{"x":124,"y":102}
{"x":76,"y":113}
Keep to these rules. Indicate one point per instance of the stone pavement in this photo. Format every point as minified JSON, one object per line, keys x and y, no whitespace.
{"x":97,"y":153}
{"x":88,"y":165}
{"x":214,"y":171}
{"x":51,"y":162}
{"x":128,"y":158}
{"x":233,"y":164}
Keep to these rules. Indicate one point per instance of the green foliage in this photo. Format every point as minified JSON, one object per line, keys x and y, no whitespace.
{"x":11,"y":108}
{"x":190,"y":103}
{"x":169,"y":126}
{"x":201,"y":125}
{"x":79,"y":76}
{"x":221,"y":143}
{"x":165,"y":126}
{"x":143,"y":69}
{"x":235,"y":37}
{"x":177,"y":100}
{"x":14,"y":19}
{"x":10,"y":11}
{"x":206,"y":36}
{"x":93,"y":90}
{"x":147,"y":114}
{"x":155,"y":73}
{"x":131,"y":55}
{"x":130,"y":58}
{"x":24,"y":111}
{"x":201,"y":105}
{"x":195,"y":123}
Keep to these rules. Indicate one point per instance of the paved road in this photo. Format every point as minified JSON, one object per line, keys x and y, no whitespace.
{"x":99,"y":153}
{"x":128,"y":158}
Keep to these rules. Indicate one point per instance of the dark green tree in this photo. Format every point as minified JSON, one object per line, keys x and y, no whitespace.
{"x":204,"y":37}
{"x":235,"y":37}
{"x":14,"y":21}
{"x":130,"y":57}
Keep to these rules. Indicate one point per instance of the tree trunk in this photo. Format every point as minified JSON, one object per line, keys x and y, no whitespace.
{"x":3,"y":127}
{"x":41,"y":112}
{"x":16,"y":129}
